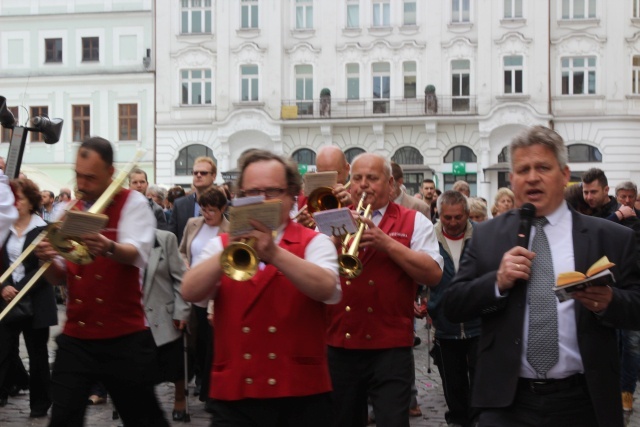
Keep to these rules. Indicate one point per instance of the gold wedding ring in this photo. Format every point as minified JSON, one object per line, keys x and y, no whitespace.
{"x":595,"y":304}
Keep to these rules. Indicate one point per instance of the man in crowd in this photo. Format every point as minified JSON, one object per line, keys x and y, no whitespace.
{"x":370,"y":332}
{"x":138,"y":182}
{"x":47,"y":205}
{"x":204,"y":174}
{"x":105,"y":337}
{"x":462,"y":187}
{"x":456,"y":344}
{"x":399,"y":196}
{"x":541,"y":362}
{"x":270,"y":363}
{"x":427,"y":191}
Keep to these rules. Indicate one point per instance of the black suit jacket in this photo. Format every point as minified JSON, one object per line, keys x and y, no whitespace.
{"x":45,"y":311}
{"x":182,"y":211}
{"x":472,"y":293}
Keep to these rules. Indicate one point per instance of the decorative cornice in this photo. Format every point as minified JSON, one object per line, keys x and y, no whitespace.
{"x":249,"y":45}
{"x":194,"y":50}
{"x":513,"y":34}
{"x":382,"y":43}
{"x":594,"y":37}
{"x":457,"y":40}
{"x":302,"y":45}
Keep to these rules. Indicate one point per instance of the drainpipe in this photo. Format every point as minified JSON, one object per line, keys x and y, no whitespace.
{"x":549,"y":100}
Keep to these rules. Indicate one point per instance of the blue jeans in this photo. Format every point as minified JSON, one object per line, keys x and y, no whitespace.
{"x":629,"y":359}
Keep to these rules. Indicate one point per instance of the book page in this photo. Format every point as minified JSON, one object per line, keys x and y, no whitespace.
{"x":267,"y":213}
{"x":78,"y":223}
{"x":604,"y":278}
{"x":335,"y":222}
{"x":319,"y":179}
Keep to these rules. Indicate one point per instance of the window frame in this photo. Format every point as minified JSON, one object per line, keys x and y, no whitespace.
{"x":635,"y":11}
{"x":572,"y":71}
{"x":460,"y":18}
{"x":383,"y":7}
{"x":304,"y":10}
{"x":514,"y":71}
{"x":90,"y":49}
{"x":411,"y":75}
{"x":80,"y":124}
{"x":354,"y":5}
{"x":406,"y":22}
{"x":252,"y":8}
{"x":183,"y":156}
{"x":251,"y":97}
{"x":304,"y":99}
{"x":513,"y":7}
{"x":460,"y":101}
{"x":54,"y":53}
{"x":205,"y":83}
{"x":355,"y":78}
{"x":189,"y":10}
{"x":567,"y":9}
{"x":129,"y":120}
{"x":635,"y":74}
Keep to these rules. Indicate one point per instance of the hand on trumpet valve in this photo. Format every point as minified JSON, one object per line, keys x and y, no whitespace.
{"x":305,"y":219}
{"x":374,"y":237}
{"x":342,"y":194}
{"x":8,"y":293}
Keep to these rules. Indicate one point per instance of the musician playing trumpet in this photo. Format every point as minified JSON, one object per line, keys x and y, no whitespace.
{"x":370,"y":332}
{"x":270,"y":364}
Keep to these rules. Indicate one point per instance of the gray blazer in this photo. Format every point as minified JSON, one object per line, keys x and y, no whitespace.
{"x":191,"y":230}
{"x":416,"y":204}
{"x":162,"y":300}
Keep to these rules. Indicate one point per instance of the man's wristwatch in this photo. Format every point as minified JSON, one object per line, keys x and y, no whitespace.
{"x":112,"y":248}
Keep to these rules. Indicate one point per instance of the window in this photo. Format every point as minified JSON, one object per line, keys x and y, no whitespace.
{"x":304,"y":156}
{"x":249,"y":14}
{"x":353,"y":81}
{"x":460,"y":10}
{"x":408,"y":156}
{"x":409,"y":74}
{"x":53,"y":50}
{"x":186,"y":156}
{"x":409,"y":16}
{"x":512,"y":9}
{"x":304,"y":88}
{"x":583,"y":153}
{"x":460,"y":153}
{"x":351,"y":153}
{"x":503,"y":157}
{"x":578,"y":9}
{"x":90,"y":49}
{"x":635,"y":75}
{"x":81,"y":116}
{"x":249,"y":82}
{"x":304,"y":14}
{"x":470,"y":178}
{"x":460,"y":87}
{"x":128,"y":122}
{"x":196,"y":16}
{"x":381,"y":13}
{"x":579,"y":75}
{"x":196,"y":87}
{"x":512,"y":74}
{"x":381,"y":86}
{"x":353,"y":13}
{"x":34,"y":112}
{"x":6,"y":133}
{"x":636,"y":8}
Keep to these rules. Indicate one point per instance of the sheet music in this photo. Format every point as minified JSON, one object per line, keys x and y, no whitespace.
{"x":78,"y":223}
{"x":319,"y":179}
{"x":267,"y":213}
{"x":335,"y":222}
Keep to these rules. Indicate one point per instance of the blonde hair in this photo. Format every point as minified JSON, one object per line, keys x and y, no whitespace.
{"x":205,"y":159}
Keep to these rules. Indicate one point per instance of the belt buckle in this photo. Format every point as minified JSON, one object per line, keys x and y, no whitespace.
{"x":537,"y":386}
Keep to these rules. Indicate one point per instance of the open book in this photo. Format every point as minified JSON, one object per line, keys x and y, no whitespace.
{"x":597,"y":275}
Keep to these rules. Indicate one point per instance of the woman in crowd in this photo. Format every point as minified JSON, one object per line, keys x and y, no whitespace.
{"x":173,"y":194}
{"x":36,"y":311}
{"x":197,"y":232}
{"x":505,"y":201}
{"x":477,"y":209}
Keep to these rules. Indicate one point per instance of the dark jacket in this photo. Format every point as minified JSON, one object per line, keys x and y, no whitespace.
{"x":182,"y":210}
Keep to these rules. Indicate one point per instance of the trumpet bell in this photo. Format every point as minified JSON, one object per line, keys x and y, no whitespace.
{"x":239,"y":261}
{"x":349,"y":266}
{"x":322,"y":199}
{"x":70,"y":249}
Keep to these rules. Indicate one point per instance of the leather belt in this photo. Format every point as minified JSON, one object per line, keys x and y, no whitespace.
{"x":548,"y":386}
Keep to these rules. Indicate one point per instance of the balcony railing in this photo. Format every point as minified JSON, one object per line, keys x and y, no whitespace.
{"x":376,"y":107}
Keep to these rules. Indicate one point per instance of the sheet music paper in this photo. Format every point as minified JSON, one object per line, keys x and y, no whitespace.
{"x":319,"y":179}
{"x":335,"y":222}
{"x":267,"y":212}
{"x":78,"y":223}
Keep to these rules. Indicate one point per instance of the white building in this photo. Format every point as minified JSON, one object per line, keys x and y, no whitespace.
{"x":81,"y":61}
{"x":228,"y":73}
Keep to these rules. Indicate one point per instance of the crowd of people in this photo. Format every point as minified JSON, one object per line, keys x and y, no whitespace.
{"x":310,"y":339}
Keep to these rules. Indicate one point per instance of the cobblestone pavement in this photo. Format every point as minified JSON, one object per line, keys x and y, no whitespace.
{"x":430,"y":398}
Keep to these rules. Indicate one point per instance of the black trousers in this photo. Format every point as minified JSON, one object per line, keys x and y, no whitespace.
{"x":456,"y":362}
{"x":384,"y":375}
{"x":36,"y":342}
{"x":564,"y":408}
{"x":126,"y":366}
{"x":308,"y":411}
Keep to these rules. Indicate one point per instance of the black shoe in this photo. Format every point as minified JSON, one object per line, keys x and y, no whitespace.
{"x":38,"y":414}
{"x":178,"y":415}
{"x":15,"y":389}
{"x":416,"y":341}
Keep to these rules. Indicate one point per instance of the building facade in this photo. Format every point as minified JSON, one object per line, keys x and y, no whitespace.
{"x":82,"y":61}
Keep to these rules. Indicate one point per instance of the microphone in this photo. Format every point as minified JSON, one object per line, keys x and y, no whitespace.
{"x":527,"y":213}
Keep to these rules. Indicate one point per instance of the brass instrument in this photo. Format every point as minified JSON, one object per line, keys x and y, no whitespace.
{"x":349,"y":264}
{"x":239,"y":261}
{"x":322,"y":199}
{"x":71,"y":249}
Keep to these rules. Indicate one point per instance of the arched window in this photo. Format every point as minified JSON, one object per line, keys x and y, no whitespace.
{"x":351,"y":153}
{"x":503,"y":157}
{"x":408,"y":156}
{"x":184,"y":162}
{"x":304,"y":156}
{"x":583,"y":153}
{"x":460,"y":153}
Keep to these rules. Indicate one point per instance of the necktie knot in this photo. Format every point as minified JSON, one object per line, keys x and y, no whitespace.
{"x":540,"y":222}
{"x":376,"y":213}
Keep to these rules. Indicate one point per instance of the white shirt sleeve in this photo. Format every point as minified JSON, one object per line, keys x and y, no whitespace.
{"x":8,"y":212}
{"x":137,"y":227}
{"x":322,"y":252}
{"x":424,"y":239}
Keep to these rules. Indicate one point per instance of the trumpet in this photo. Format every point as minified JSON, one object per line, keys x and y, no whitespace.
{"x":239,"y":260}
{"x":322,"y":199}
{"x":349,"y":265}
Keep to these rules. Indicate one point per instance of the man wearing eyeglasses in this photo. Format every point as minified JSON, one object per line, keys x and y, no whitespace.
{"x":270,"y":365}
{"x":204,"y":173}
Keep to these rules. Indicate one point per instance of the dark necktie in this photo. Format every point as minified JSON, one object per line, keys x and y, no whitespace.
{"x":542,"y":349}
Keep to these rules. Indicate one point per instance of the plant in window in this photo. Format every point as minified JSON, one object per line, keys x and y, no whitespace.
{"x":325,"y":102}
{"x":430,"y":100}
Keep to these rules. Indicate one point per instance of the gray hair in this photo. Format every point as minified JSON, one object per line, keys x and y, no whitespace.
{"x":540,"y":135}
{"x":478,"y":206}
{"x":386,"y":163}
{"x":453,"y":197}
{"x":627,"y":185}
{"x":160,"y":192}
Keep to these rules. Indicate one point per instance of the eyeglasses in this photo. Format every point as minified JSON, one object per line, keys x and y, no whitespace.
{"x":203,"y":173}
{"x":269,"y":193}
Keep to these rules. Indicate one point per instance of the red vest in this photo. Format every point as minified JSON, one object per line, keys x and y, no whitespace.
{"x":104,"y":297}
{"x":376,"y":310}
{"x":269,"y":337}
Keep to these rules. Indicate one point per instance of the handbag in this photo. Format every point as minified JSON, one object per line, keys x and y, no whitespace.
{"x":23,"y":310}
